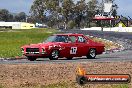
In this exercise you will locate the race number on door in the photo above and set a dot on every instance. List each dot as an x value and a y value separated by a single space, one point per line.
73 50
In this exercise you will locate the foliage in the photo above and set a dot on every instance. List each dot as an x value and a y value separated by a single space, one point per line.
55 13
91 10
7 16
63 11
37 9
21 17
80 11
71 24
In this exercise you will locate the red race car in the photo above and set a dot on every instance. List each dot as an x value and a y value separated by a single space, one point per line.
63 45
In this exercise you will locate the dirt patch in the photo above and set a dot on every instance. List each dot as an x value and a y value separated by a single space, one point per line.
51 73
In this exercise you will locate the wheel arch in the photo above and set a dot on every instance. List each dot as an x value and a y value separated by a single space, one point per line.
92 48
51 53
89 56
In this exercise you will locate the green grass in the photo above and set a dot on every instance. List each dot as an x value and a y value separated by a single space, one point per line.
121 86
67 85
75 85
1 86
12 40
59 85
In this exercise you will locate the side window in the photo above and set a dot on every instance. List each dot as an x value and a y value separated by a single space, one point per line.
62 39
72 38
81 39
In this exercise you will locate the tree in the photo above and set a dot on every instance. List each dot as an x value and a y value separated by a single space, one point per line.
91 10
80 10
10 17
114 8
38 8
114 13
67 10
109 0
4 15
21 17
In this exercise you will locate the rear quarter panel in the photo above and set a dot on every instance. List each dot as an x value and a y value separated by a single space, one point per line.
100 48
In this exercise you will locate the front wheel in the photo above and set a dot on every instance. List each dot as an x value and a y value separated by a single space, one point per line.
31 58
54 55
91 54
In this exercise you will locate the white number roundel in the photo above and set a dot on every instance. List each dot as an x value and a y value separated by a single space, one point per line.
73 50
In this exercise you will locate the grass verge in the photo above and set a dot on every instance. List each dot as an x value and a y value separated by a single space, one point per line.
75 85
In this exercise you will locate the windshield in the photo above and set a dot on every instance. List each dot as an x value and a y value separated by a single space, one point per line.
57 38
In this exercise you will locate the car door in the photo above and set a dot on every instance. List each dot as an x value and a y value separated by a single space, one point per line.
73 46
69 48
82 44
65 46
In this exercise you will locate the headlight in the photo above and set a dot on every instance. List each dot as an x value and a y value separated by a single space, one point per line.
43 51
22 50
50 47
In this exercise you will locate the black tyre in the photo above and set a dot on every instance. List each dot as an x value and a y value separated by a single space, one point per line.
81 80
91 54
54 55
32 58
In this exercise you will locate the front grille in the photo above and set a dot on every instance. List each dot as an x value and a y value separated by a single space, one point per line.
32 50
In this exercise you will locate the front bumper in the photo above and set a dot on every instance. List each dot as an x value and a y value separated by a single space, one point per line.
40 52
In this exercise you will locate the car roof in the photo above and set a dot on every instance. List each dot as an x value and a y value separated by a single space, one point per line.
72 34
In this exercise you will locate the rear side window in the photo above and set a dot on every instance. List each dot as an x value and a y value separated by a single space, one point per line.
57 38
72 38
81 39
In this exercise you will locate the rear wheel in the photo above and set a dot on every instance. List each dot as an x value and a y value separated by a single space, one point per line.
54 55
91 54
32 58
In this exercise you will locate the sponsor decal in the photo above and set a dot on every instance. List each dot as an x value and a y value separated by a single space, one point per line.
83 78
73 50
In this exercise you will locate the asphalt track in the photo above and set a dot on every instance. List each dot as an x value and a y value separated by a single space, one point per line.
113 57
123 38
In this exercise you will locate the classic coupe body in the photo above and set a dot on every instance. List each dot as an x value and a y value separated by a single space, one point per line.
63 45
